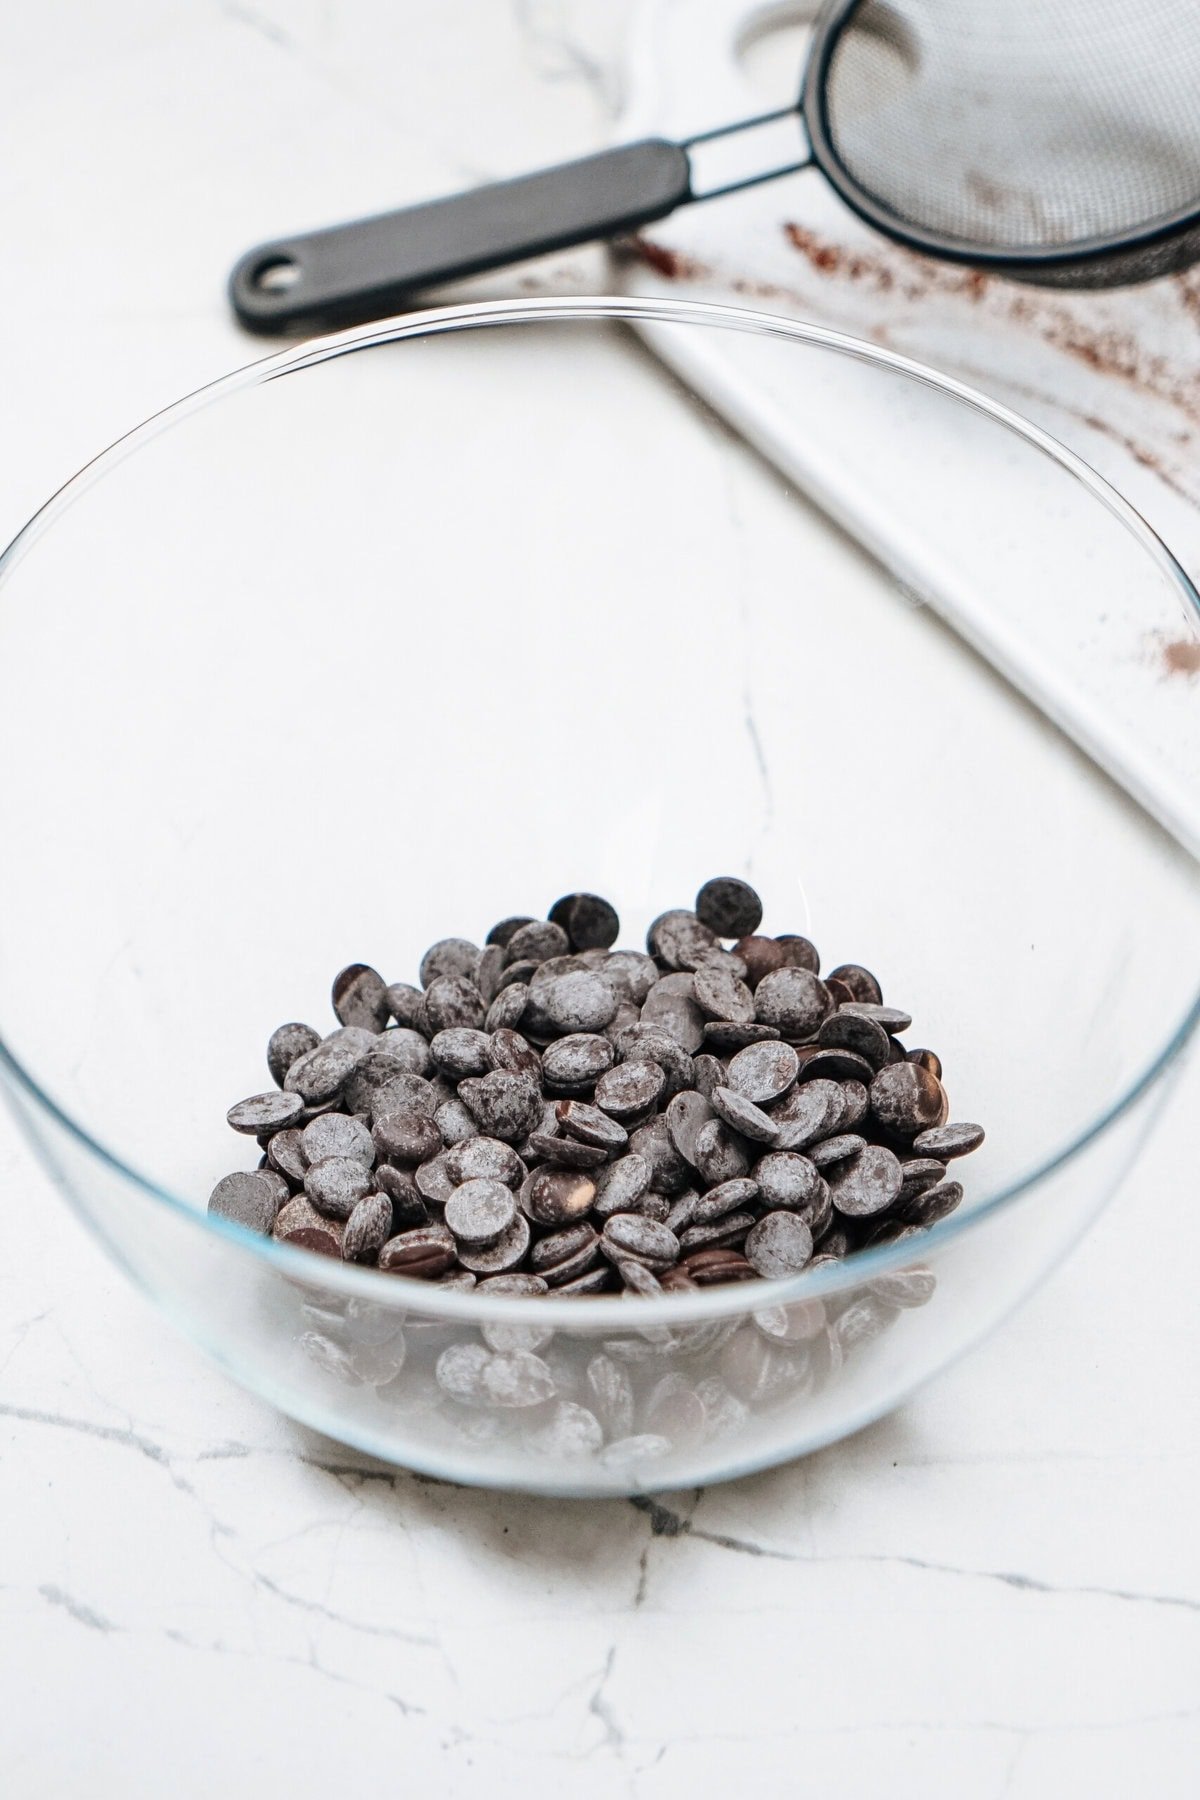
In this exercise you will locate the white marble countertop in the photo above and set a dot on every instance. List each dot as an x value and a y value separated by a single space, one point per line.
994 1592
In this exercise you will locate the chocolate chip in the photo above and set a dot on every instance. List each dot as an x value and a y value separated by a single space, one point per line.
836 1065
779 1245
610 1391
722 996
799 953
727 1197
333 1134
919 1173
580 1001
406 1136
425 1252
668 1171
764 1072
709 1074
537 941
565 1152
630 1090
511 1051
368 1228
286 1046
508 1251
455 1122
860 981
251 1200
890 1017
336 1184
574 1064
360 998
264 1113
408 1204
729 1230
729 907
518 974
720 1155
794 1000
835 1149
506 930
304 1228
761 955
479 1211
671 1006
401 1045
563 1255
786 1179
904 1288
406 1005
946 1141
797 1323
649 1043
591 1126
867 1183
596 1281
503 1337
507 1105
459 1372
449 959
678 939
907 1099
453 1001
743 1116
462 1050
285 1152
862 1321
433 1179
630 1234
620 1185
507 1009
483 1159
932 1203
686 1113
631 974
855 1101
403 1093
518 1379
556 1196
929 1059
589 921
712 1268
636 1277
730 1035
854 1031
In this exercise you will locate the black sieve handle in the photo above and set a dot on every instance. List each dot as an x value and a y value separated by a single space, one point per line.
372 267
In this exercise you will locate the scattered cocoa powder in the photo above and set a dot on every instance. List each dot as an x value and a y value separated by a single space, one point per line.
1181 656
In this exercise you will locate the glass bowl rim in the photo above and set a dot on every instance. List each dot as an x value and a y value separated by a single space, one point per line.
612 1312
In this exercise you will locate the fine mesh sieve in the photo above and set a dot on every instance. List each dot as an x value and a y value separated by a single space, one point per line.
1059 140
1056 142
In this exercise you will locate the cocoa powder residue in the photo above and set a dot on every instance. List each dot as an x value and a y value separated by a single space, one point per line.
899 271
670 263
1181 656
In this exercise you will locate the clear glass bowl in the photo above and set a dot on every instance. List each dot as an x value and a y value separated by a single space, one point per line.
394 634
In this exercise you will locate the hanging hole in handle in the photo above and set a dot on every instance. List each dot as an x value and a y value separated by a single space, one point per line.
278 275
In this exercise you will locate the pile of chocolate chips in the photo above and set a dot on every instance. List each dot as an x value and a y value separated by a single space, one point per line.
550 1115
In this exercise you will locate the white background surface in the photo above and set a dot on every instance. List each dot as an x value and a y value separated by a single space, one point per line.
993 1593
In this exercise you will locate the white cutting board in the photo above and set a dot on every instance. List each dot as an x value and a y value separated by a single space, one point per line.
1114 375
